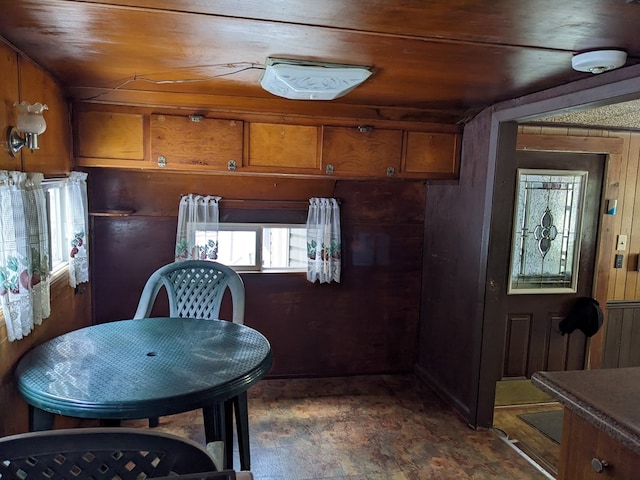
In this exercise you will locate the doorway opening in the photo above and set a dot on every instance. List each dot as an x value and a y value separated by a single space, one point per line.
551 210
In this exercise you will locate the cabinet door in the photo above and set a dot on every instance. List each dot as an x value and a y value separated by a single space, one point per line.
108 138
361 152
583 443
202 144
276 147
434 155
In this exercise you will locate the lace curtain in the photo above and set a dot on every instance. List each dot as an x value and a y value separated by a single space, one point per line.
197 233
323 240
77 227
24 247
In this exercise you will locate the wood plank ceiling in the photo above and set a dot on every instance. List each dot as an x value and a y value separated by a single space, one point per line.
432 61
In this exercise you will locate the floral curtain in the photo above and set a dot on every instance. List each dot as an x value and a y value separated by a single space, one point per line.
24 247
197 233
323 240
77 227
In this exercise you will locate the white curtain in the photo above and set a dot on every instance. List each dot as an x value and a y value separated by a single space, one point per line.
197 213
24 250
77 227
323 240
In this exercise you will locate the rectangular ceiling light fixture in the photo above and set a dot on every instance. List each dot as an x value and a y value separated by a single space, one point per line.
304 80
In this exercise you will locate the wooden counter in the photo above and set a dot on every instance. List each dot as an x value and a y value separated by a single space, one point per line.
601 426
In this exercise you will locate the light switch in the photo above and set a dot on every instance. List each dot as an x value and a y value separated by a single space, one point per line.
622 242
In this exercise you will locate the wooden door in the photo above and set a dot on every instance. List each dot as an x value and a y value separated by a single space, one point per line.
533 341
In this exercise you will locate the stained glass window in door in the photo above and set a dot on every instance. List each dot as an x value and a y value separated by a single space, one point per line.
545 248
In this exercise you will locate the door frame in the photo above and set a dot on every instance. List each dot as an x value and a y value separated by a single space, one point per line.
504 139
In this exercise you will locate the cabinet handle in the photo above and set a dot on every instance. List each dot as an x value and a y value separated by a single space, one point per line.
598 465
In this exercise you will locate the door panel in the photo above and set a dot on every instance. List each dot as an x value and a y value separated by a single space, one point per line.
533 341
517 345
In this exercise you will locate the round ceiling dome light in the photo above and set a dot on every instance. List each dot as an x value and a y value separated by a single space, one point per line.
598 61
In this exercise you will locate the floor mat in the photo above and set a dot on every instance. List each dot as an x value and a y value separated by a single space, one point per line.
519 392
548 423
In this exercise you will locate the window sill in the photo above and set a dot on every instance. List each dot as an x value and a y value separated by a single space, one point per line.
59 275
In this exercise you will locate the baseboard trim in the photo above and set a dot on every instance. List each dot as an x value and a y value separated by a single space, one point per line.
443 393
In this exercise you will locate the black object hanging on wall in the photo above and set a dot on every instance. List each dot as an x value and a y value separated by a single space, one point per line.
585 315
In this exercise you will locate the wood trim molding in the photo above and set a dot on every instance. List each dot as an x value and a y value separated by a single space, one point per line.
574 144
620 304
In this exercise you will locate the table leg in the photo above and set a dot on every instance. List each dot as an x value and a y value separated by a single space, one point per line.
228 433
214 433
242 424
39 419
213 423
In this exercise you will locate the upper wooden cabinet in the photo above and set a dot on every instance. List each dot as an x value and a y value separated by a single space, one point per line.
108 136
361 151
435 154
196 143
288 148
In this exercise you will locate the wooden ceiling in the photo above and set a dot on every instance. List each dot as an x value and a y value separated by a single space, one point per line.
432 61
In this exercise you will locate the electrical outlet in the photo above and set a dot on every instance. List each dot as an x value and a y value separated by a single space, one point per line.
617 263
622 242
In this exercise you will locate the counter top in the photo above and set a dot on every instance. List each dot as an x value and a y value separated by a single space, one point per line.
606 398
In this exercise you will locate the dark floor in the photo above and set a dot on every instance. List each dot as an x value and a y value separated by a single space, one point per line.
361 428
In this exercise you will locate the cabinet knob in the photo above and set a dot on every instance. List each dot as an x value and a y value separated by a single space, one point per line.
598 465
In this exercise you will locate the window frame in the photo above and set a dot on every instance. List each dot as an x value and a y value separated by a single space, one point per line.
258 229
61 234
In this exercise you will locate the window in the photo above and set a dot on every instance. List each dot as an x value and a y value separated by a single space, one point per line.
56 215
547 231
255 247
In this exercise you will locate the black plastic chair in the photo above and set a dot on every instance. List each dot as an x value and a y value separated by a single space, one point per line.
105 452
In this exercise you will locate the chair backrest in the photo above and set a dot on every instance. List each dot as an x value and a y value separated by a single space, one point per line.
106 452
195 289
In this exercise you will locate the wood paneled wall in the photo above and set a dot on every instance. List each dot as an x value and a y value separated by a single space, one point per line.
623 335
624 283
70 310
367 323
22 80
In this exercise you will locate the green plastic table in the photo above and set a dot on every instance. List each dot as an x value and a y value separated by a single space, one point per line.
143 368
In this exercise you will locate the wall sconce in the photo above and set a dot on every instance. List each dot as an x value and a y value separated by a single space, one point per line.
31 123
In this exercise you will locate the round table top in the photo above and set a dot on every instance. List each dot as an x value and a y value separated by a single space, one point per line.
143 368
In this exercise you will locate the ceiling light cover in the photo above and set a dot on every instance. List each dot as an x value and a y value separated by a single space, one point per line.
308 81
598 61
